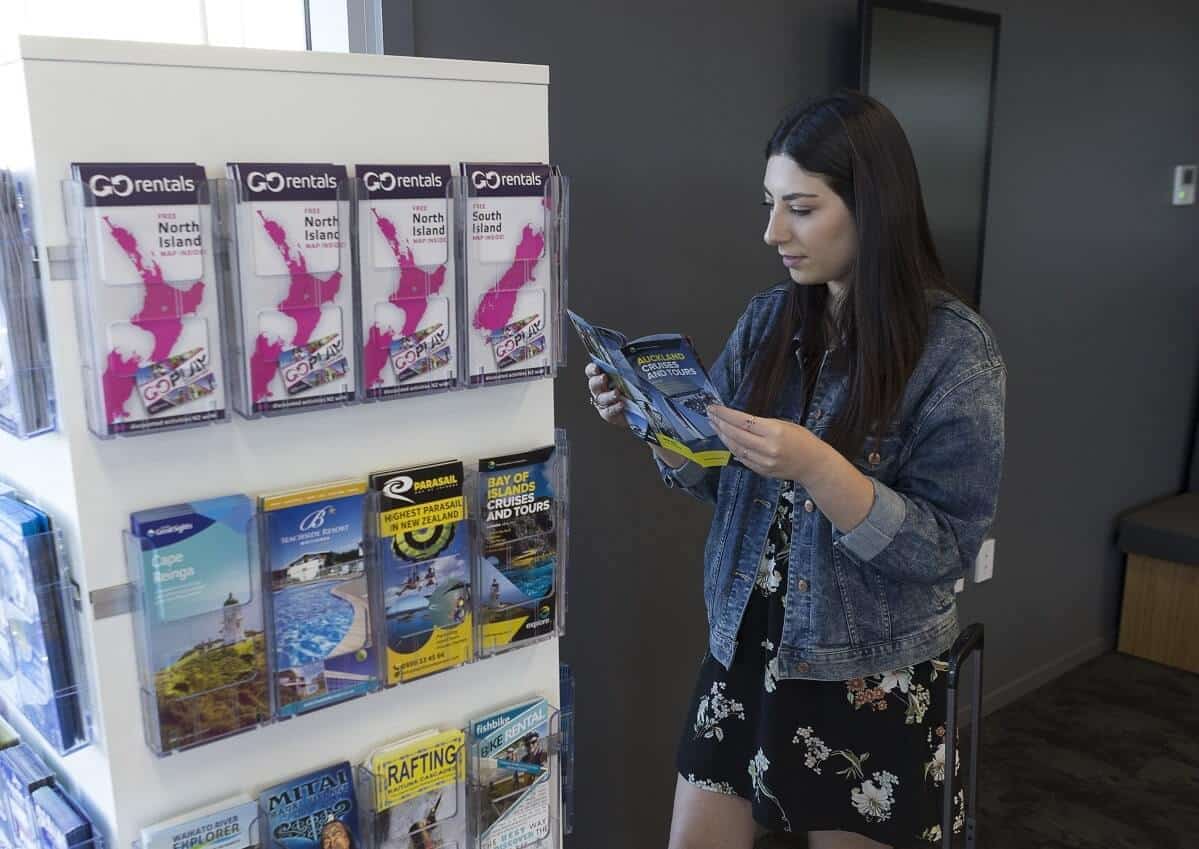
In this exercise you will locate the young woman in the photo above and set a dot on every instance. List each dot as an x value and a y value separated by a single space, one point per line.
865 419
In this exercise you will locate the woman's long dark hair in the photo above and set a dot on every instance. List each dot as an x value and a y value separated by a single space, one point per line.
857 146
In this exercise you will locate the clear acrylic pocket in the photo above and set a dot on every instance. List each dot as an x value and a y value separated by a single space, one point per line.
407 272
204 673
515 785
424 806
424 583
513 246
521 558
292 297
149 308
26 381
42 671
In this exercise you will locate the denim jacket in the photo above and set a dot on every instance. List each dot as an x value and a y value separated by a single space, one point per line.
881 596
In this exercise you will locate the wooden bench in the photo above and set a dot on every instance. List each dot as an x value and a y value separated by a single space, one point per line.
1159 617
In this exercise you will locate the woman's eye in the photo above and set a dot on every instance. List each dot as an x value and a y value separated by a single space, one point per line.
800 211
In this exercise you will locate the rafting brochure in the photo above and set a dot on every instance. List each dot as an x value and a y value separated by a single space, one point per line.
418 790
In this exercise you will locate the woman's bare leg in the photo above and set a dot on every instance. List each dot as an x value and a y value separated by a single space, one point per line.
704 819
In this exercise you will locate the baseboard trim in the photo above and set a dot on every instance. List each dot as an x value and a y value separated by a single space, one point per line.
1004 695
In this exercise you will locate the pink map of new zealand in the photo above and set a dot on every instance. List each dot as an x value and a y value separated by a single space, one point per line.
305 295
412 291
163 309
498 303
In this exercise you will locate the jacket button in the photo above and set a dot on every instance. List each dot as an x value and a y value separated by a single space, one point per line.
875 458
809 505
803 666
802 586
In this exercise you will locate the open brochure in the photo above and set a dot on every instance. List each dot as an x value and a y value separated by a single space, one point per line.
665 387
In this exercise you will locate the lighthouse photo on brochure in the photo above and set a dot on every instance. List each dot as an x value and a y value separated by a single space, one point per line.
201 619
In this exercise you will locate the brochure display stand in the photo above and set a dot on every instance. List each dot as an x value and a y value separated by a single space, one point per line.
70 104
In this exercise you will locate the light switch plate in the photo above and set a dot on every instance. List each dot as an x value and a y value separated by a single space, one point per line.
1185 178
984 565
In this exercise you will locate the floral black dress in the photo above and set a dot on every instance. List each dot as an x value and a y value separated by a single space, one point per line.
865 755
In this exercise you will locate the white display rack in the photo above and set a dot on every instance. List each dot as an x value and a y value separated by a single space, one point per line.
68 101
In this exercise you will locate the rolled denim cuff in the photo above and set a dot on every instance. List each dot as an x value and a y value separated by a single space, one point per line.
880 526
686 476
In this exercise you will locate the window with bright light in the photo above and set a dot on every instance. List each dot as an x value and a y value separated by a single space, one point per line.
272 24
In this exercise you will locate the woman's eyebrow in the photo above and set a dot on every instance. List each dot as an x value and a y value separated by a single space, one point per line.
792 195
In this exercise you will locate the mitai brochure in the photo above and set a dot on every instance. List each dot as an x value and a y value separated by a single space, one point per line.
318 810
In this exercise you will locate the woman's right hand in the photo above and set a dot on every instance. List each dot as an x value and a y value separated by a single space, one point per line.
608 402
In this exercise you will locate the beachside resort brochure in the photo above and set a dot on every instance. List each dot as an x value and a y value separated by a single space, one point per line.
424 556
418 787
318 594
199 620
666 388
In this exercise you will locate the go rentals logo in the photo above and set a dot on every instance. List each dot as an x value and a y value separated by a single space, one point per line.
494 180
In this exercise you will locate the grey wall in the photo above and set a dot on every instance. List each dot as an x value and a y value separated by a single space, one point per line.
659 111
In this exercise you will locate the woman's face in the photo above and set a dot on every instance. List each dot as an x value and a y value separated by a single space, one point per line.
809 224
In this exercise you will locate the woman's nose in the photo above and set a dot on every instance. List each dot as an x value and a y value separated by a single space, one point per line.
775 234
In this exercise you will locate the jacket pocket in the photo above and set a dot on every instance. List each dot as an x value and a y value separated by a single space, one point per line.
863 600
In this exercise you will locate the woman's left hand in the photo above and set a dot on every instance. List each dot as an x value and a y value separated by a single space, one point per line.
773 448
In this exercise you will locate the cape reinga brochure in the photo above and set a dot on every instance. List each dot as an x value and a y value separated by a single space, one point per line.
201 611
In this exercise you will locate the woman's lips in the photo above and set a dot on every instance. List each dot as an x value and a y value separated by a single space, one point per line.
792 261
